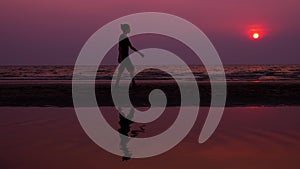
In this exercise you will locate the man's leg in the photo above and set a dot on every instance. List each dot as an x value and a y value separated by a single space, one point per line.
130 68
120 71
133 81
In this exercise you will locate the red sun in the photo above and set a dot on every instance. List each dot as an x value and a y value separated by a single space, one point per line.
255 35
256 32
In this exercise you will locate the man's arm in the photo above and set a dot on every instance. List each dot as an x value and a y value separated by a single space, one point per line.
131 47
134 49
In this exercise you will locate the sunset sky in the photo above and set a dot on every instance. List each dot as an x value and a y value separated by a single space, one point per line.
52 32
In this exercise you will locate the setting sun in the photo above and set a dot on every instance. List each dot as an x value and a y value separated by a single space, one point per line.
256 32
256 35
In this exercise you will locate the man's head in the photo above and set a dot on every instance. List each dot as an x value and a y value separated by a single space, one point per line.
125 28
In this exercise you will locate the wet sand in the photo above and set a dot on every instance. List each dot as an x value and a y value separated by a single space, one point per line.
247 138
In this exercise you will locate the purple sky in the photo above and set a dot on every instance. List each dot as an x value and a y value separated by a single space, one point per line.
48 32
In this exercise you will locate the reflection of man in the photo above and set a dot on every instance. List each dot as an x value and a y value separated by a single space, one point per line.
124 45
125 130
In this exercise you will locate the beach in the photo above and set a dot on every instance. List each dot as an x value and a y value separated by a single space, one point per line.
247 137
259 128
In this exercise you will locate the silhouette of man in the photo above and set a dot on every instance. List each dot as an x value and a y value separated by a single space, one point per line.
124 45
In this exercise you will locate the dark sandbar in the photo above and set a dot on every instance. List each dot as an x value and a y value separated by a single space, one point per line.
238 94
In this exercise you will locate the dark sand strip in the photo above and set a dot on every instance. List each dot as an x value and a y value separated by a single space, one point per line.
239 94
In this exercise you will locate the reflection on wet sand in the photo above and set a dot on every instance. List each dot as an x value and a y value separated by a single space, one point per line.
126 131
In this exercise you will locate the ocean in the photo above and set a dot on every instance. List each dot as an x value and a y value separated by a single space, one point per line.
234 73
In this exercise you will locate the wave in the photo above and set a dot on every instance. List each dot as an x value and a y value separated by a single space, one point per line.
233 73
